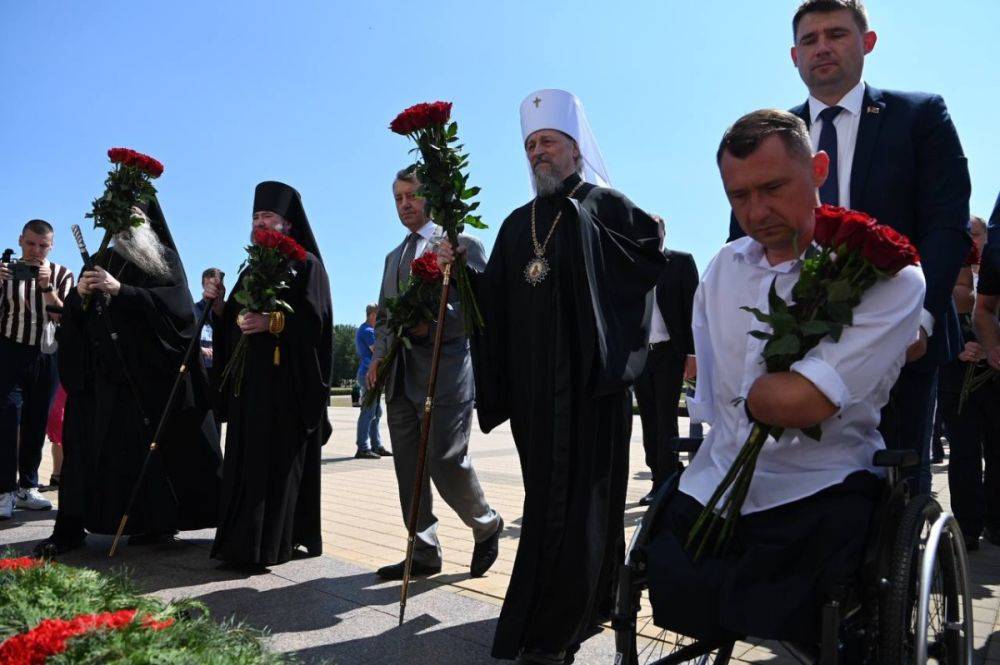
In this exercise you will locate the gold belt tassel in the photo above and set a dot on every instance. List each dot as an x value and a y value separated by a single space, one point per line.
277 355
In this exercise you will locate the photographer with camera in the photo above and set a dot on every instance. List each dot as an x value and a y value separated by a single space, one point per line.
28 286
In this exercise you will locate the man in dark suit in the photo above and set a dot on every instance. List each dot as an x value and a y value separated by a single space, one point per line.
670 359
897 157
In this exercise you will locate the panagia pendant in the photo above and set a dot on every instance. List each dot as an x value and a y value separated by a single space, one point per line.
536 271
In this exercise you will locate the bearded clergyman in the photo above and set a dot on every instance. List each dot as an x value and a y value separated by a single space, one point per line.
567 300
124 332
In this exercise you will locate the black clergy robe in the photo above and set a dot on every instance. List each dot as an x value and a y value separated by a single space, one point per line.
557 359
105 438
276 426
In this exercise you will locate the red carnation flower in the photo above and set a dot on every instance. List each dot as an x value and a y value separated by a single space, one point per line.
427 268
421 116
888 250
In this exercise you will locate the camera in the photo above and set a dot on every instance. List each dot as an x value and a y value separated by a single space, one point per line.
23 271
19 269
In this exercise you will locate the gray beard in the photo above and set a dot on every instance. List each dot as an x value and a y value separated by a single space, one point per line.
142 246
547 183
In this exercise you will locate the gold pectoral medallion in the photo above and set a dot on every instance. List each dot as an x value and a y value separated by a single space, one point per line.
536 271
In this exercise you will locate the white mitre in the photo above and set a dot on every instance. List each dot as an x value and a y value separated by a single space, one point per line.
562 111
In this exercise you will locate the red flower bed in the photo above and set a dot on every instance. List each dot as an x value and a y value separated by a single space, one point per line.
20 563
50 636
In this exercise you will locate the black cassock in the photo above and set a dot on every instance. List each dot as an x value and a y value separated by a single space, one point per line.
105 438
557 359
276 426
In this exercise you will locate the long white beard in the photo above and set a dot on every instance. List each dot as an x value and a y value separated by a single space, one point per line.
142 246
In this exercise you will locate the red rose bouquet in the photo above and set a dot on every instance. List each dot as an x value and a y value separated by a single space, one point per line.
854 254
128 184
413 306
268 268
444 186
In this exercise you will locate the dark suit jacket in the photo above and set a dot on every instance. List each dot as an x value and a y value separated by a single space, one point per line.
675 297
909 172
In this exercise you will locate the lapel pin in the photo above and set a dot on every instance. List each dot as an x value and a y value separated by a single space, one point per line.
873 109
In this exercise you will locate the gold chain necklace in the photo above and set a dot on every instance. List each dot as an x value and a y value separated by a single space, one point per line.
538 268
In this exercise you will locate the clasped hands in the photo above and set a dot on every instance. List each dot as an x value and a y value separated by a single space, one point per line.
97 279
974 352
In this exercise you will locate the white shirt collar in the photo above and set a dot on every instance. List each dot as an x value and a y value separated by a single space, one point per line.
851 102
751 252
428 230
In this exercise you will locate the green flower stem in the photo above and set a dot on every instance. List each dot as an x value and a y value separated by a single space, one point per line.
375 392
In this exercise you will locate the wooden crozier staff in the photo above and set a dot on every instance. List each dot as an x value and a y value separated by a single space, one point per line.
154 445
425 429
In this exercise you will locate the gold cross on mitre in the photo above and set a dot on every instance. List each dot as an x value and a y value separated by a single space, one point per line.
537 101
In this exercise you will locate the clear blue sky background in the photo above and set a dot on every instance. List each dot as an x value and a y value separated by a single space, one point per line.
227 94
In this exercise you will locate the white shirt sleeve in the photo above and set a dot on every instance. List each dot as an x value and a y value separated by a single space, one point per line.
701 407
885 324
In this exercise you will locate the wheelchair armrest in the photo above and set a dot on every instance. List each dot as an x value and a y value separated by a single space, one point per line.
896 458
686 444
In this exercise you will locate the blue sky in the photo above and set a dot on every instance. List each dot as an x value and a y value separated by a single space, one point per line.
227 94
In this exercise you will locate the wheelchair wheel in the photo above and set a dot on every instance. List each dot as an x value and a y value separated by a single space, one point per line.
638 641
898 609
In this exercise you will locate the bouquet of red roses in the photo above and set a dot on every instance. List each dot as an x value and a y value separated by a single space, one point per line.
854 253
268 268
128 184
413 306
443 186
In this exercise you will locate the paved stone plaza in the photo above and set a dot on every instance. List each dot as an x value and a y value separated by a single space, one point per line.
333 608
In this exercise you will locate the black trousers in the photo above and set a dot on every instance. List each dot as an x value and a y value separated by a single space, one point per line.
974 437
658 390
27 386
782 565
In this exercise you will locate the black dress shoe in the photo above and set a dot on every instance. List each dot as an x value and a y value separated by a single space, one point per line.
52 547
382 452
395 571
532 657
484 554
367 454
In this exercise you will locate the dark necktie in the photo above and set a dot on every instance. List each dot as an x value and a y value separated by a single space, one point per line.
829 192
409 251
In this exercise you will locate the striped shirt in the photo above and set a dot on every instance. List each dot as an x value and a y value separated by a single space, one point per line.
22 305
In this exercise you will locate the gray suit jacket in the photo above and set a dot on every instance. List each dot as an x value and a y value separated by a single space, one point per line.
455 383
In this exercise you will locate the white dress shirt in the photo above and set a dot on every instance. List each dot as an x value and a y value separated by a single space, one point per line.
847 123
658 327
427 234
855 374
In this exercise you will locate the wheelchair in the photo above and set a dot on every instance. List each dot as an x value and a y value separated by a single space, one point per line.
910 602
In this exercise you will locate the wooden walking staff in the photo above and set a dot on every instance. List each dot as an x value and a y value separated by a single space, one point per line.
154 445
425 430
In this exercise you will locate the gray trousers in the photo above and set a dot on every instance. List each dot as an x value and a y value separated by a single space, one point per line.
448 465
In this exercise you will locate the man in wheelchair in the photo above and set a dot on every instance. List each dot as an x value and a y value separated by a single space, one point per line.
803 526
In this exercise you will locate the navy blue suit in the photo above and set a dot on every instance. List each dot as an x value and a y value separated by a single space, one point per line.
910 173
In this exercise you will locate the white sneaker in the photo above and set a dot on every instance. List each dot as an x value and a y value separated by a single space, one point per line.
32 499
6 505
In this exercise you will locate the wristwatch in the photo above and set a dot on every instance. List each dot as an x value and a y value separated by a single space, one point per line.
47 289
